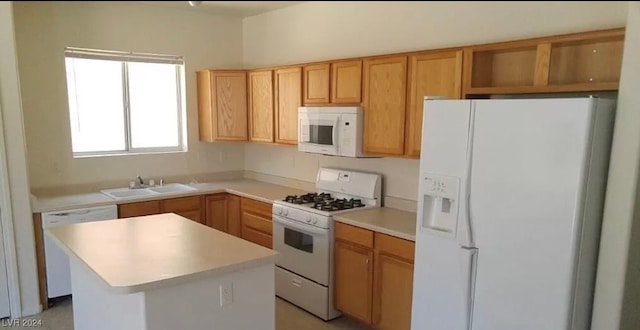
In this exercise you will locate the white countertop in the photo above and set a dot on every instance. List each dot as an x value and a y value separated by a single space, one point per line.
261 191
393 222
142 253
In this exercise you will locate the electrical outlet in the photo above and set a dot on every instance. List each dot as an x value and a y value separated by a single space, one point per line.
226 294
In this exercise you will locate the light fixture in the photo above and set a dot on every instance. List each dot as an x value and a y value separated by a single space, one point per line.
194 3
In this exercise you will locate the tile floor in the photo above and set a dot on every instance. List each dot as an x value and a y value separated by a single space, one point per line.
288 317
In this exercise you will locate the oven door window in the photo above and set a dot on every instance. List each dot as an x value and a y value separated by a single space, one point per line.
298 240
318 133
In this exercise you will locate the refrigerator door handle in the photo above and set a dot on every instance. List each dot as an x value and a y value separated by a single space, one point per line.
465 236
468 271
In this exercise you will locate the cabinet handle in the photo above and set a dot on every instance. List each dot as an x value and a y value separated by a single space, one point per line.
366 262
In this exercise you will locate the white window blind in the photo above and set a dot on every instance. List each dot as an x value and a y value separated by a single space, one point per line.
123 103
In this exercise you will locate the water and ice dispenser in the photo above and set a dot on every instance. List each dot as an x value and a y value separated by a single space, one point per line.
440 194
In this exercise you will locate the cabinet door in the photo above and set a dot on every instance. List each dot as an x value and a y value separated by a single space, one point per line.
288 97
434 74
353 279
194 215
385 86
393 290
138 209
188 207
222 105
346 82
217 212
261 106
234 224
316 84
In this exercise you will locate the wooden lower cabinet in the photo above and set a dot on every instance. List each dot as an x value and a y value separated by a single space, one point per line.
393 289
138 209
234 215
373 282
353 280
216 211
188 207
257 226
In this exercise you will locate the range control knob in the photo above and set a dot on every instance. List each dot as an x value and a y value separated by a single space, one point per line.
315 220
308 219
286 212
279 210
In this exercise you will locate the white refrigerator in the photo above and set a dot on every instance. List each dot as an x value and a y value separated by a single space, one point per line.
509 212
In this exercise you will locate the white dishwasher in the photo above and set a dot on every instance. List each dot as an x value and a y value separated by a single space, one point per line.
56 261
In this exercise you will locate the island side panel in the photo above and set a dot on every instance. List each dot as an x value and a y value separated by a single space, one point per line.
96 308
197 304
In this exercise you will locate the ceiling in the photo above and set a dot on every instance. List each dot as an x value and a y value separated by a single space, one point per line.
231 8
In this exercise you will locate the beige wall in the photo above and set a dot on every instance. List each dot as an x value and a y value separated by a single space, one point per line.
321 30
15 210
619 250
331 30
399 178
44 29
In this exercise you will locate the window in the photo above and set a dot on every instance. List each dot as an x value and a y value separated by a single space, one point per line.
124 102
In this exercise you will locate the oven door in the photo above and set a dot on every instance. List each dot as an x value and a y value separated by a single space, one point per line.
303 248
319 134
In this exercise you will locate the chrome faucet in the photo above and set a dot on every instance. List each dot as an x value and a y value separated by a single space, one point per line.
140 180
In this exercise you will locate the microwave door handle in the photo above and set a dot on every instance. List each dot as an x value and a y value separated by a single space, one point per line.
334 133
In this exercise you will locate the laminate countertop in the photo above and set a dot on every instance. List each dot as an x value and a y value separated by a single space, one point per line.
152 251
393 222
258 190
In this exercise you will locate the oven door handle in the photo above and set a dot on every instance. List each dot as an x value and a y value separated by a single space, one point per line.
306 228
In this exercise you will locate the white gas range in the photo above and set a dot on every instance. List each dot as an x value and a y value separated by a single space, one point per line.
303 234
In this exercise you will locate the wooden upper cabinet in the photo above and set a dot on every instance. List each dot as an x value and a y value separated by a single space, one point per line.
315 84
222 105
261 106
346 82
578 62
384 101
288 97
430 74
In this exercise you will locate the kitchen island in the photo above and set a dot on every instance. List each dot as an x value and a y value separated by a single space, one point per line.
165 272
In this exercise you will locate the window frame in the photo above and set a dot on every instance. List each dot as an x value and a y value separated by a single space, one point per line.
125 58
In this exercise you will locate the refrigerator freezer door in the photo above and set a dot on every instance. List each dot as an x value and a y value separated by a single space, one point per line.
443 167
527 174
443 291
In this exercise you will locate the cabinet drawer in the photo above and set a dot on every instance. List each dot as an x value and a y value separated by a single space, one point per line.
181 204
354 234
257 223
395 246
257 237
255 207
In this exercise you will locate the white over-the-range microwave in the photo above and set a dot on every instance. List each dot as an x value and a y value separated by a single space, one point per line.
335 131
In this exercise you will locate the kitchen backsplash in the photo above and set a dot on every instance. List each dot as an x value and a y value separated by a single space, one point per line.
400 176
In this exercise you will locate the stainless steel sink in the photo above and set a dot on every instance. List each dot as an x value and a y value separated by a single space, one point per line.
120 193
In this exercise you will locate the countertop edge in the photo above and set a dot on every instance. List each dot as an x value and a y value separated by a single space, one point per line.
128 289
269 259
197 192
375 228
